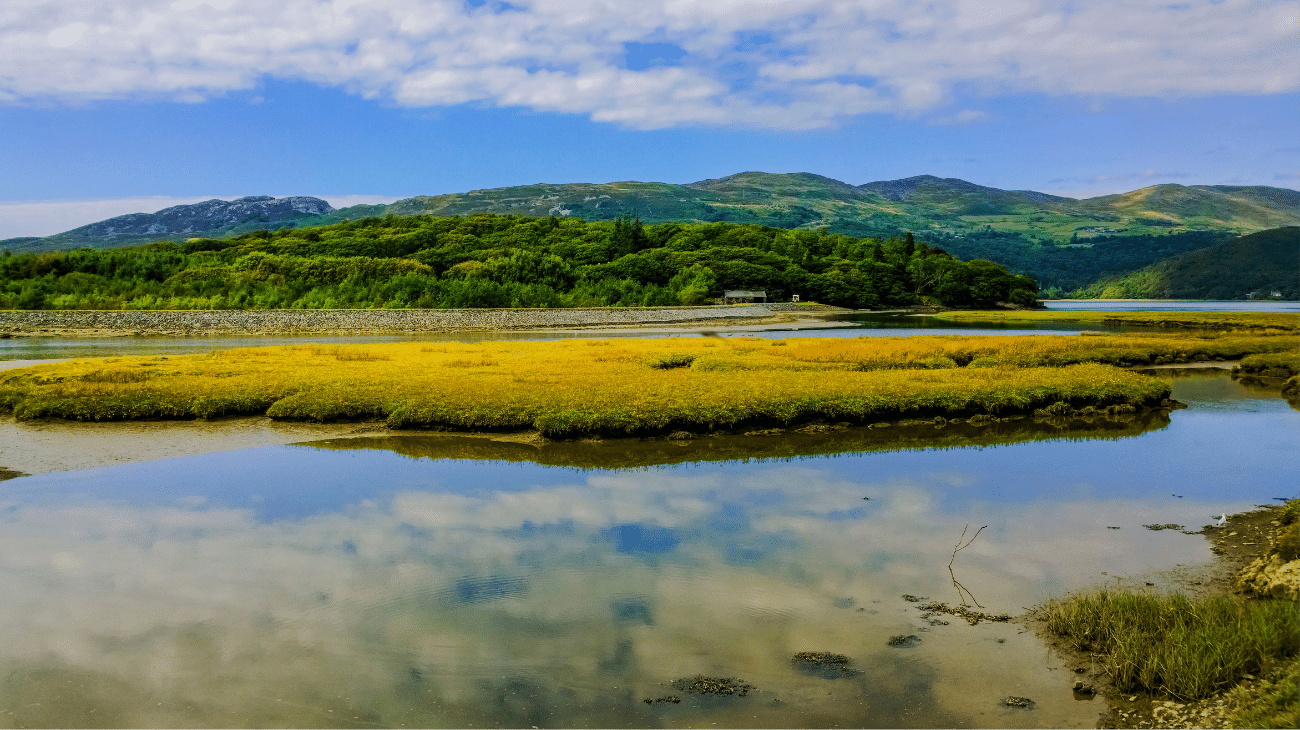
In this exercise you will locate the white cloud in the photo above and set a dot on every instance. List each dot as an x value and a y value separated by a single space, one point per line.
48 217
826 60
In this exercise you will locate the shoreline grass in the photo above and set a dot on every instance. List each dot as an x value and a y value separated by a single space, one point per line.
572 388
1186 647
1269 365
1218 321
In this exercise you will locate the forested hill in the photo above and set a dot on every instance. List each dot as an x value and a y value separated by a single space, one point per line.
1263 265
504 261
924 204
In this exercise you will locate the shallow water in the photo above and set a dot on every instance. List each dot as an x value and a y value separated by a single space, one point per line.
316 585
33 349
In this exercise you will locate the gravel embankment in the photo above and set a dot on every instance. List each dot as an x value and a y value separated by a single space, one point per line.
373 321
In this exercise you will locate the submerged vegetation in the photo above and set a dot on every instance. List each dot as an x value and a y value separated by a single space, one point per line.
1187 647
504 261
635 386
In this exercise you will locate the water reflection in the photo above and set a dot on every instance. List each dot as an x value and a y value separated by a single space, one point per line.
793 444
321 586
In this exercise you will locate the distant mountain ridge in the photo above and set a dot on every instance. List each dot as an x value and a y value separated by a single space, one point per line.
921 204
253 212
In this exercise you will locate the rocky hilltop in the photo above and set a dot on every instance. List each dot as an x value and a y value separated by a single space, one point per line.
253 212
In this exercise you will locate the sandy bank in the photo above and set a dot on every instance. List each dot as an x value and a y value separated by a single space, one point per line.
37 447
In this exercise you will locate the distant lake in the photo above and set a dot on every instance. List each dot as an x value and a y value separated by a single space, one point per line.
388 582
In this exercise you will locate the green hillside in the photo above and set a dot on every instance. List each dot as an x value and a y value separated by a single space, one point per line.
925 205
1258 266
920 204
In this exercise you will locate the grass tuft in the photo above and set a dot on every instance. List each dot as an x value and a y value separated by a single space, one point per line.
672 360
1186 647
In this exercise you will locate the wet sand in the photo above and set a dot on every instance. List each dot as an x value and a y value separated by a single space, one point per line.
37 447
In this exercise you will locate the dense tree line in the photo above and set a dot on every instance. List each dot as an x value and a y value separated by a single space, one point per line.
504 261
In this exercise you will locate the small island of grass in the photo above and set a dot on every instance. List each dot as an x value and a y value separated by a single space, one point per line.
576 388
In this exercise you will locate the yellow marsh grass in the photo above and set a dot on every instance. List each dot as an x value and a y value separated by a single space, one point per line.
574 387
1280 321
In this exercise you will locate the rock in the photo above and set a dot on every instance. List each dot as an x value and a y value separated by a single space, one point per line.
207 217
1270 577
1024 702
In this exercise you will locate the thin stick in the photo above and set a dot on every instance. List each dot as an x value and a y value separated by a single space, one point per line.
963 547
962 591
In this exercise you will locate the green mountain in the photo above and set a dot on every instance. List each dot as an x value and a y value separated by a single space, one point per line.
1264 265
927 205
1201 206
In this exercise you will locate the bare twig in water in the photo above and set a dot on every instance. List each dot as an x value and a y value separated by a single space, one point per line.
962 591
963 547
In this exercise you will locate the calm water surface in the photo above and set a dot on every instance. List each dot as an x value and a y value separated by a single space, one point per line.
315 585
34 349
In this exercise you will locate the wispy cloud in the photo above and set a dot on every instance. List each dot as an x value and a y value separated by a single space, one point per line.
818 61
1091 186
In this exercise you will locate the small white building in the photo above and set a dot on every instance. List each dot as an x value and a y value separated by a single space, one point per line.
734 296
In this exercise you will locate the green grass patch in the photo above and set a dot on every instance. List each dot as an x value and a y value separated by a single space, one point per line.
1186 647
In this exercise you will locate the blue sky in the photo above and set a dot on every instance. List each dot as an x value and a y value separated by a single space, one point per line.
106 109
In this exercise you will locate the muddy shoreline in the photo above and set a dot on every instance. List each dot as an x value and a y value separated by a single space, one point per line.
1245 537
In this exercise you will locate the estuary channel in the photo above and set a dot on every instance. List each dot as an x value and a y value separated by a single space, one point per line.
432 580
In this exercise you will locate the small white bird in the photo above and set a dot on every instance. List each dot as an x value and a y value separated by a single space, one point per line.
1222 520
